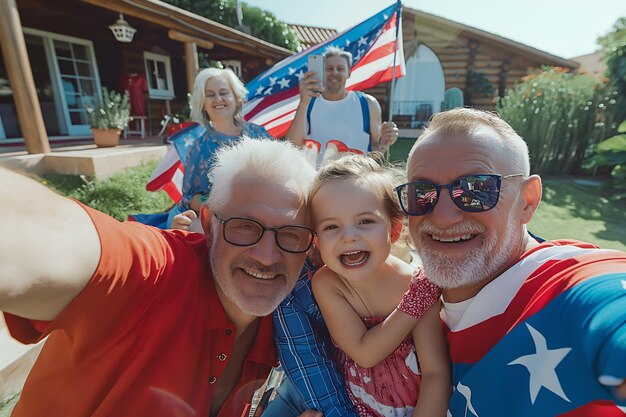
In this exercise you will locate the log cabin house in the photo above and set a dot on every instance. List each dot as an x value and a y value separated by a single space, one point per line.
57 53
441 54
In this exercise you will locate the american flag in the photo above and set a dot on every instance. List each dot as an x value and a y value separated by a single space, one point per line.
168 175
546 338
274 95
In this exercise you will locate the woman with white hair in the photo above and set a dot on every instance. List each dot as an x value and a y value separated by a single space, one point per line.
217 104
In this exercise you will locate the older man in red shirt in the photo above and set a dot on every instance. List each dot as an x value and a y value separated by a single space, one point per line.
145 322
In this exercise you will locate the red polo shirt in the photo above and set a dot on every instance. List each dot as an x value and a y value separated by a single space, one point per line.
147 336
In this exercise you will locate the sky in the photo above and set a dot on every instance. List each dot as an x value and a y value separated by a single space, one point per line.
566 28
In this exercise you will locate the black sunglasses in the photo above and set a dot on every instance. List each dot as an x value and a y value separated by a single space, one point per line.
240 231
471 193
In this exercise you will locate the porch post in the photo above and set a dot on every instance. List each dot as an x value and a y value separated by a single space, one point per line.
21 79
191 64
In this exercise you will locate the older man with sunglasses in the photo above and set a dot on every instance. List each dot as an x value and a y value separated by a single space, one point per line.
147 322
534 328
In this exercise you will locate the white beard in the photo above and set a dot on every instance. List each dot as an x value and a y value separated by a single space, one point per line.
449 272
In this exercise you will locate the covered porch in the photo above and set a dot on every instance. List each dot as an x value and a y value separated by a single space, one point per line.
55 56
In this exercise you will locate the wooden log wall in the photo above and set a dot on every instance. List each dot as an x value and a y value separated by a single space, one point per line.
461 52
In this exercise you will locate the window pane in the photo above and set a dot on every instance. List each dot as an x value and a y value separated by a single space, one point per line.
80 52
66 67
78 117
63 49
87 88
161 78
151 74
84 69
71 92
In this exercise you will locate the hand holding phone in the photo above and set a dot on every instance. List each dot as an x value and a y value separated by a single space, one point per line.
316 64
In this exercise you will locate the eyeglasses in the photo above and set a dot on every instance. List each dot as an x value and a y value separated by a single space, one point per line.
471 193
240 231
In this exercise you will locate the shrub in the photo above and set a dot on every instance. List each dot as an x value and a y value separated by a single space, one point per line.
560 115
612 152
614 48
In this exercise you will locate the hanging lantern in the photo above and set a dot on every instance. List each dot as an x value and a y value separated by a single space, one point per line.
122 31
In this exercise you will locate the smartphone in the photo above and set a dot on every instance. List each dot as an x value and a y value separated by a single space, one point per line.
316 64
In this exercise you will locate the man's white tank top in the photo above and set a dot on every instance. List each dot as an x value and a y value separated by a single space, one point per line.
338 126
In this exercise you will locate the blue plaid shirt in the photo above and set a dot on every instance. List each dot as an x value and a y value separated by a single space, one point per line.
306 351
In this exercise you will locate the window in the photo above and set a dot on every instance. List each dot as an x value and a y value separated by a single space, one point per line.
233 65
159 76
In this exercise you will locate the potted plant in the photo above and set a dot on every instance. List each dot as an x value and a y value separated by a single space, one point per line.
108 117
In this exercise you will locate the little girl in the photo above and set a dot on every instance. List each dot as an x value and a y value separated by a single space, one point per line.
378 314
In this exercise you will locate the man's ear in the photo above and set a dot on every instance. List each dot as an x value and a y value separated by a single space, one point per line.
531 196
205 220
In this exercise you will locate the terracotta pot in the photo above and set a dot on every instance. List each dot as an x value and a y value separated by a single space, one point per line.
106 138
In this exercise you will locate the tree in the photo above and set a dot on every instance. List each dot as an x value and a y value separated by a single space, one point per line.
614 47
262 24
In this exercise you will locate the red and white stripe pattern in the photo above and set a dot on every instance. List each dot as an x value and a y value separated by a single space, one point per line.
168 176
373 64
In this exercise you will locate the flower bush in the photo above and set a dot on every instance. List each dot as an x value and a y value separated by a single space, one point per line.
560 115
111 112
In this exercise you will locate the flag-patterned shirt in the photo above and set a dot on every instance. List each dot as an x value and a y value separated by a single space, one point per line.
546 338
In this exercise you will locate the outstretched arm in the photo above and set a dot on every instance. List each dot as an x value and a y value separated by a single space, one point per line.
48 251
365 347
310 87
432 351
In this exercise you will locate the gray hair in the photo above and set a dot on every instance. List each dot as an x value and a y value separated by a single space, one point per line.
335 51
198 114
466 122
272 160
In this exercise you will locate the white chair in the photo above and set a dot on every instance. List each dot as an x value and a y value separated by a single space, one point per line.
136 127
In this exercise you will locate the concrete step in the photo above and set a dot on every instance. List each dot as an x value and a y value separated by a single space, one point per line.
87 159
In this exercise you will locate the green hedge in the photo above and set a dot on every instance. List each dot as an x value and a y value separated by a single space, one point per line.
560 115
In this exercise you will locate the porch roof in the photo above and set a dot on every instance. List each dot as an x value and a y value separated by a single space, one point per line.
191 24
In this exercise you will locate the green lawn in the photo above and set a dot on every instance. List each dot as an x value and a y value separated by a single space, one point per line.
121 194
399 151
578 208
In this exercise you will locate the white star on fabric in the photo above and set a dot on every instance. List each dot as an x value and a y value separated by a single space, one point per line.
362 41
624 284
385 16
284 83
189 142
291 70
358 55
542 366
347 42
268 91
273 80
300 74
259 90
466 392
